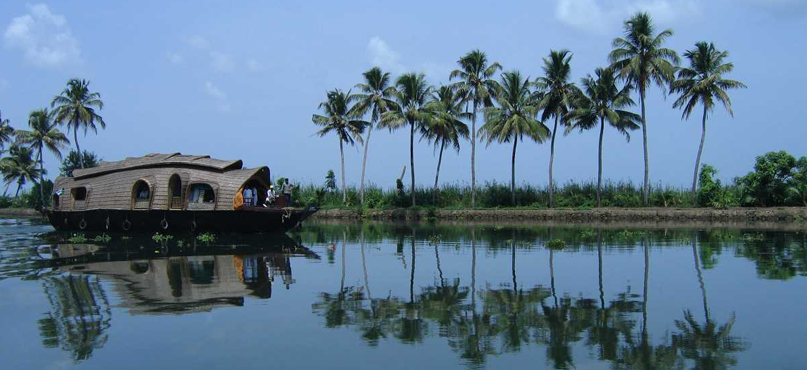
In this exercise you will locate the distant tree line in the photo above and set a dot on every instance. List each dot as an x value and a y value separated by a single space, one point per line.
514 108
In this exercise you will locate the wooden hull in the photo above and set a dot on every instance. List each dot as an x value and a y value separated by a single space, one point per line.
248 220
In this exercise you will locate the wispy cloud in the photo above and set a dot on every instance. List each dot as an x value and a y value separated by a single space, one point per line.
174 58
221 62
198 42
385 57
254 65
218 95
44 38
600 16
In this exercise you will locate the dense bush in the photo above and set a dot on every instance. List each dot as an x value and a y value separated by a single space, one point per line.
71 162
778 179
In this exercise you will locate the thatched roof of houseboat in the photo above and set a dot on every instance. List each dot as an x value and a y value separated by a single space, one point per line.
159 160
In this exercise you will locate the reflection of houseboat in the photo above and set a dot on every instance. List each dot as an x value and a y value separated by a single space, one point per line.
171 192
182 282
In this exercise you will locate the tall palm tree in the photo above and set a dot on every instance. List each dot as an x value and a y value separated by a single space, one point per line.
343 121
376 97
411 96
703 83
445 126
19 167
75 107
476 85
44 134
6 133
640 59
556 95
601 101
514 118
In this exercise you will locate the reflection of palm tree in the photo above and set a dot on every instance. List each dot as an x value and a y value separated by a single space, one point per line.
79 318
710 345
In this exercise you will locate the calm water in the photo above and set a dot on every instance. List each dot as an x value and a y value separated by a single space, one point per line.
407 297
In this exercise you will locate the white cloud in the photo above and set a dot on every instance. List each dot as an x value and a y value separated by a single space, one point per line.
383 56
218 95
601 16
198 42
389 60
221 62
254 65
44 37
174 58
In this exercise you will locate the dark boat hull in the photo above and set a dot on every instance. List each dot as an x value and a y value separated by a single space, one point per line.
250 220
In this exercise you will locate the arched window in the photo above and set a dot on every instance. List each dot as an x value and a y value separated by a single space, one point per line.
141 195
175 192
55 204
201 196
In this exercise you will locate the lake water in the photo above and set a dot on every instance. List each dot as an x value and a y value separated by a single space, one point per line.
396 296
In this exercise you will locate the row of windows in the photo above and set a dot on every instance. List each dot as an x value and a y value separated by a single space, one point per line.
198 195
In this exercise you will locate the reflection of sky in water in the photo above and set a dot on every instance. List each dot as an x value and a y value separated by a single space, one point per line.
262 307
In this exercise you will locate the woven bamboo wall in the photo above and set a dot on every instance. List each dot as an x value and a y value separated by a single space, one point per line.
114 189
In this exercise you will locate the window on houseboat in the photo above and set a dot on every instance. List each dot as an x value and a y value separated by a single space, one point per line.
79 193
202 193
142 191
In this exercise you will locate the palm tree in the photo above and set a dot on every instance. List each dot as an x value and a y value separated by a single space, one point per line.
44 134
601 101
376 97
514 118
555 96
75 107
19 167
445 125
703 83
640 59
341 119
411 96
476 85
6 133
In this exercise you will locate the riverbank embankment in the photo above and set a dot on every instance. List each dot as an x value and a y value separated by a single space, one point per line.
19 212
778 214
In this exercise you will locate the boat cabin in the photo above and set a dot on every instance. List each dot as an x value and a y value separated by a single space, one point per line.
163 182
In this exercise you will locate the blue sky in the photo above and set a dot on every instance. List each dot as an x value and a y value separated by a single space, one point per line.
241 79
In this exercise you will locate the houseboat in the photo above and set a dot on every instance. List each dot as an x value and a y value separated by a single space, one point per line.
171 193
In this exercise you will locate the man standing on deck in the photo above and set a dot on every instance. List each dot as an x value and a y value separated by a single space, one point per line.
287 192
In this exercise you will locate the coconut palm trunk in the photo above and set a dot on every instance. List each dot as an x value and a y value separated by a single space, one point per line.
513 174
78 149
437 175
698 160
473 157
412 158
646 186
19 186
599 164
342 153
412 273
551 162
364 161
41 177
599 266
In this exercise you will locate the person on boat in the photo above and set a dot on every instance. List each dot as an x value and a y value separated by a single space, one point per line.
270 196
287 192
248 196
